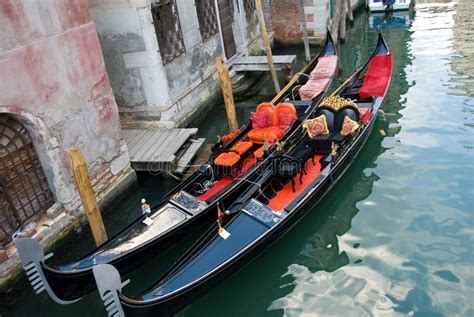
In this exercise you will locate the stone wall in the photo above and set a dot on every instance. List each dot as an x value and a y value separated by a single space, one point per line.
286 18
148 92
53 80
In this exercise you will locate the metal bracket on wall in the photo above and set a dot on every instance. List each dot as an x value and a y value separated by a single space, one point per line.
31 256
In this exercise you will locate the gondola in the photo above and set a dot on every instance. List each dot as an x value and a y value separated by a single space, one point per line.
194 201
304 170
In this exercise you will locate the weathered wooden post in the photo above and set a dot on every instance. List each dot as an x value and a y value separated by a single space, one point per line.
84 187
226 87
266 43
342 21
350 13
305 31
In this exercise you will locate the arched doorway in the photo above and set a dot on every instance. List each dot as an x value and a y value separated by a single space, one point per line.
24 191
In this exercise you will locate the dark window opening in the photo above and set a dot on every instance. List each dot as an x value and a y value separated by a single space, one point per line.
249 6
206 12
168 30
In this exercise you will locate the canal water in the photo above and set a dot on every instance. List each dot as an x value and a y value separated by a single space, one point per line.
395 236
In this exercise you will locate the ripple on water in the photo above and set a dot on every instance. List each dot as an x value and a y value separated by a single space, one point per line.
414 228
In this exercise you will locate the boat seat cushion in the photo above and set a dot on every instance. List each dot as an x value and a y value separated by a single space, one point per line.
270 134
316 126
348 111
377 77
273 131
260 119
227 159
319 78
259 153
349 126
242 147
285 120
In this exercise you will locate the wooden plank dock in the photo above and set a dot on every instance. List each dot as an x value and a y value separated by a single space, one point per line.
161 150
260 63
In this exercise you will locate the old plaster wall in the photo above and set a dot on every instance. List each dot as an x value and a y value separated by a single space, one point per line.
285 18
53 79
148 92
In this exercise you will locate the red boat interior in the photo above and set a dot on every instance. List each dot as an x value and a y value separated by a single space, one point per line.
377 76
269 123
284 196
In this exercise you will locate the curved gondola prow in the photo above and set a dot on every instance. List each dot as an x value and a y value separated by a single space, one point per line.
329 46
32 258
109 284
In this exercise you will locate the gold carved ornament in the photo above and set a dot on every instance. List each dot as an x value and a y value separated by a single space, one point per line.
336 102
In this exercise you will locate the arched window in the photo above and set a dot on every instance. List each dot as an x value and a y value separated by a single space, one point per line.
24 191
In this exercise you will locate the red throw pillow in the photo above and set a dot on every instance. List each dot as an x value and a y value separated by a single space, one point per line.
316 126
285 119
348 126
260 119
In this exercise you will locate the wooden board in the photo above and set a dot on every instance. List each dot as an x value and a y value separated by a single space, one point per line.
155 146
189 155
260 63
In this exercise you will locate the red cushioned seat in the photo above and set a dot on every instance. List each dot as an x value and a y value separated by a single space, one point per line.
228 159
242 147
259 153
377 77
270 134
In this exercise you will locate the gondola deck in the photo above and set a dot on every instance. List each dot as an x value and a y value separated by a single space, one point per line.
255 220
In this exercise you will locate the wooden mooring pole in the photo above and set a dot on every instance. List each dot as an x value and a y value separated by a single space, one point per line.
226 87
266 43
305 31
84 187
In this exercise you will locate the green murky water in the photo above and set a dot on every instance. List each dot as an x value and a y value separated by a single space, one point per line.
395 236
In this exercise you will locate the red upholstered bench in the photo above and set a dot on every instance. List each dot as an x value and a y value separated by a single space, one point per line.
269 122
228 159
242 147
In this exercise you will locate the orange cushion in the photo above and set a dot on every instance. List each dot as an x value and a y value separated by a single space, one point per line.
261 119
270 134
227 159
285 120
259 153
270 109
285 107
242 147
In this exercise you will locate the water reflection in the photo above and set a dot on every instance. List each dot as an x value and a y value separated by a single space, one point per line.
410 249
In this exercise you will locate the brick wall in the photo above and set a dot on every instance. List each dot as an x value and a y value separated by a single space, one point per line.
286 20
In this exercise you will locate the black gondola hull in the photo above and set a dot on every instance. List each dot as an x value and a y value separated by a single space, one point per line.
186 296
71 284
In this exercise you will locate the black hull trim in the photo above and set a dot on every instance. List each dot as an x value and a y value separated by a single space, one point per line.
173 304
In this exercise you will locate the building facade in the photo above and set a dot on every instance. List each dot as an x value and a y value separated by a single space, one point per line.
319 15
160 54
54 94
